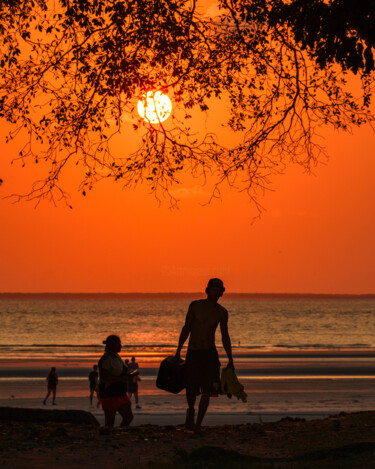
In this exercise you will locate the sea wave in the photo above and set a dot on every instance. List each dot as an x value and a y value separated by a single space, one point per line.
86 353
162 346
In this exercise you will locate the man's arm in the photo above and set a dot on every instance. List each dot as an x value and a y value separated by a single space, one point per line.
226 339
185 331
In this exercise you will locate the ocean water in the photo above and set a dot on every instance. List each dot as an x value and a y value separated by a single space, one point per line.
55 326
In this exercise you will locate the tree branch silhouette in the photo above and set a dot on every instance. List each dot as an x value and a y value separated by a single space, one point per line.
72 71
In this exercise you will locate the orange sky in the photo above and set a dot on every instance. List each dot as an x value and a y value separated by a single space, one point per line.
316 236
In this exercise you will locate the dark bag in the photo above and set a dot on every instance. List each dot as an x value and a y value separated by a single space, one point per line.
171 375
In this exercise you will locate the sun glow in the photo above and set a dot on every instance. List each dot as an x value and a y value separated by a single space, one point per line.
155 107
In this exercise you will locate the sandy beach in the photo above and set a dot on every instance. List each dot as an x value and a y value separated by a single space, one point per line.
342 441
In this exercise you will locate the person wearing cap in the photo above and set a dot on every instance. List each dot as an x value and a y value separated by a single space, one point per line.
202 360
112 383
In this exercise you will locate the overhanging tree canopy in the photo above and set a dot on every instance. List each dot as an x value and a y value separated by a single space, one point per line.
71 69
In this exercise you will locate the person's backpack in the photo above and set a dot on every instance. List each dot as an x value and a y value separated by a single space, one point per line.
171 375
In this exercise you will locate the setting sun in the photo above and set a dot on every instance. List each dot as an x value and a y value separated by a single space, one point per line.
155 107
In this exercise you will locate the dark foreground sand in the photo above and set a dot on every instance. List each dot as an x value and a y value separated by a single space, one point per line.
343 441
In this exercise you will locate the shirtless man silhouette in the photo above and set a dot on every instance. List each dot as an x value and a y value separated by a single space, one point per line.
202 361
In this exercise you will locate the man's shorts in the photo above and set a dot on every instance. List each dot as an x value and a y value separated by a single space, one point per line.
202 372
132 387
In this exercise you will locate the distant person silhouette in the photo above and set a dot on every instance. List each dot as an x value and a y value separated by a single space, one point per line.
93 382
202 360
112 383
133 381
52 382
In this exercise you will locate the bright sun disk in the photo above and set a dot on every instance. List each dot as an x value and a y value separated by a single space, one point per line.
155 107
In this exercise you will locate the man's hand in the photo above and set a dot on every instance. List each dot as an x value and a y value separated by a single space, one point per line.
230 365
177 357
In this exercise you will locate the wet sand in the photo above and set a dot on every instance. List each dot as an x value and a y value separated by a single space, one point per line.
300 396
162 410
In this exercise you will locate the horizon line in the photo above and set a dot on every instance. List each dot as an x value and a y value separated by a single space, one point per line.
180 293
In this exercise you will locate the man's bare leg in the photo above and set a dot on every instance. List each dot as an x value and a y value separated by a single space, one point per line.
47 396
203 406
137 400
189 423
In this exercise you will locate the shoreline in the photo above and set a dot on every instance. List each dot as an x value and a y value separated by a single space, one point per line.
250 364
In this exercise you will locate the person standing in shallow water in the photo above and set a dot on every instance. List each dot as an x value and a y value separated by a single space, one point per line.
52 382
112 384
202 360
